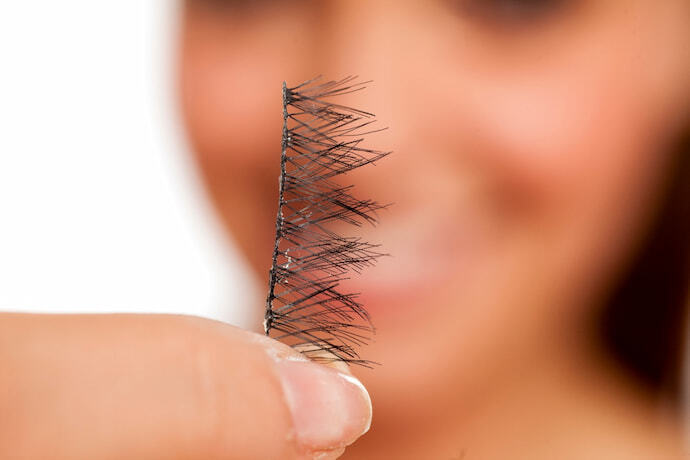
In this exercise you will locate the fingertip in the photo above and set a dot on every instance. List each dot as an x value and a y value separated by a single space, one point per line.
329 409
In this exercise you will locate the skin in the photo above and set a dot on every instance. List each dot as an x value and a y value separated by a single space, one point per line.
163 387
134 386
529 159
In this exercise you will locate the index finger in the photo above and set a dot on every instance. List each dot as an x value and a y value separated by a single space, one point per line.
164 386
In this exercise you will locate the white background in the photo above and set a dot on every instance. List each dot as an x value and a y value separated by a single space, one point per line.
100 205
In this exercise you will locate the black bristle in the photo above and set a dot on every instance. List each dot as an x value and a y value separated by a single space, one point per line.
321 140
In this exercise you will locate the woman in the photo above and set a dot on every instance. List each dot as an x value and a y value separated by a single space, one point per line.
537 177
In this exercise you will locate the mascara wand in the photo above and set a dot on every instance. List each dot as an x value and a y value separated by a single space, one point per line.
320 141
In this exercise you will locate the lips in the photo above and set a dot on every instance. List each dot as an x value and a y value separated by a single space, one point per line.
427 251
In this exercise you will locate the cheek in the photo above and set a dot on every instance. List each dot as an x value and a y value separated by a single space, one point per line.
227 107
232 64
234 127
231 67
560 139
580 162
574 146
580 171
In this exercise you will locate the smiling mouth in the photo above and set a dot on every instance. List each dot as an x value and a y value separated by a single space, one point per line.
426 254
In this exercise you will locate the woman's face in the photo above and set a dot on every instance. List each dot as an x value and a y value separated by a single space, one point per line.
529 141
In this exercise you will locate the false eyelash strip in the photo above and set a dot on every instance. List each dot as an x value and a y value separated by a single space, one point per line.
321 140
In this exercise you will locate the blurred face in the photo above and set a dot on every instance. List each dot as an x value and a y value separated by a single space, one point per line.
529 143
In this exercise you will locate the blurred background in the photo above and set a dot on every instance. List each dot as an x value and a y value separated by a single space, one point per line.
100 207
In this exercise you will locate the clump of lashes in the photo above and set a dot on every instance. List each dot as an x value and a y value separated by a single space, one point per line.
321 140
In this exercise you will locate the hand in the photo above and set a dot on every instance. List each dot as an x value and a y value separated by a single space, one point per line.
166 386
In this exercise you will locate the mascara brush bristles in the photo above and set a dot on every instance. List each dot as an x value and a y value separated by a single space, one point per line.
321 140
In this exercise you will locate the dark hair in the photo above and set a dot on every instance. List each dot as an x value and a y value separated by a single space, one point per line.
644 321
